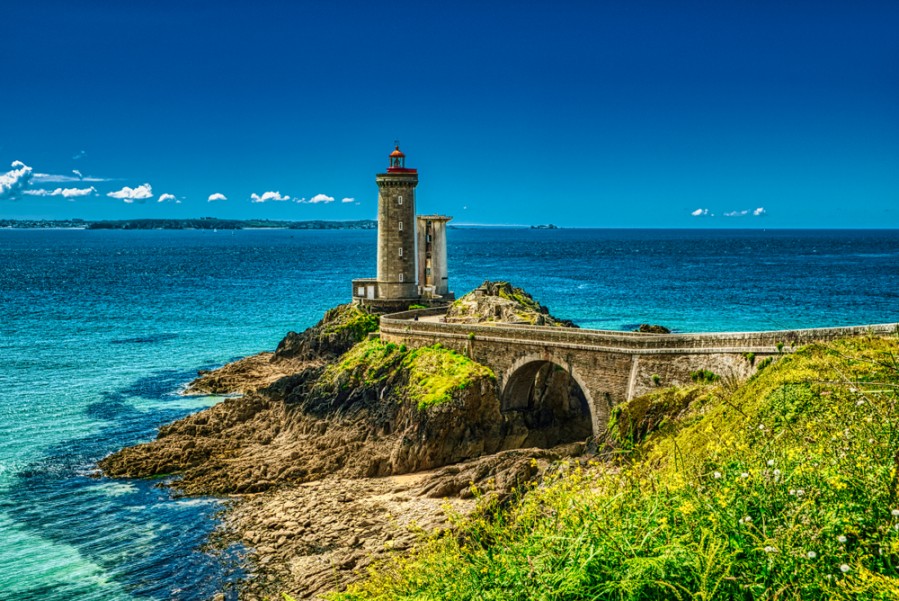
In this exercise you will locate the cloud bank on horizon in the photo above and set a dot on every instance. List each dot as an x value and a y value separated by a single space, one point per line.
67 193
19 181
703 212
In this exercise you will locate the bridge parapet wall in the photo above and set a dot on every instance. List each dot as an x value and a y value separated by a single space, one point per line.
611 367
401 324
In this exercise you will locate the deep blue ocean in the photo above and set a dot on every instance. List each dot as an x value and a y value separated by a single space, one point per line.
100 329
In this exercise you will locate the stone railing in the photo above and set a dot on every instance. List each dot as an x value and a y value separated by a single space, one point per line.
403 325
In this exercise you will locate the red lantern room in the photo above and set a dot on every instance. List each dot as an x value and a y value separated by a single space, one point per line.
398 162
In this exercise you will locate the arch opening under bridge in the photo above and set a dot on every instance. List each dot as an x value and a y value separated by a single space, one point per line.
550 400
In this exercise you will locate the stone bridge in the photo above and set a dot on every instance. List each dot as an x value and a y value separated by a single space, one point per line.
607 367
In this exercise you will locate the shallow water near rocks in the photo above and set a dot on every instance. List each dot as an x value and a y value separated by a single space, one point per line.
100 329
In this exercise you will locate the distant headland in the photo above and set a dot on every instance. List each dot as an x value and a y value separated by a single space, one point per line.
203 223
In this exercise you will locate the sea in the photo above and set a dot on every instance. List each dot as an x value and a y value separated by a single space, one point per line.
100 330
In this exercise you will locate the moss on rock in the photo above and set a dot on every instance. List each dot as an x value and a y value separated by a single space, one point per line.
337 332
435 372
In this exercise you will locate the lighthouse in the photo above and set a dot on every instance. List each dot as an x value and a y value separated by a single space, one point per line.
396 229
408 273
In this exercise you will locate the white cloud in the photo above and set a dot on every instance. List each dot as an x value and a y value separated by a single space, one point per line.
700 212
69 193
130 195
54 178
736 214
169 198
321 198
217 196
13 182
78 155
267 196
759 211
348 200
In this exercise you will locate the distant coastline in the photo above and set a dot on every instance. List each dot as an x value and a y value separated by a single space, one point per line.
204 223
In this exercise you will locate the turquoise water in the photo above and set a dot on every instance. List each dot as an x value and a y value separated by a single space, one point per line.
100 329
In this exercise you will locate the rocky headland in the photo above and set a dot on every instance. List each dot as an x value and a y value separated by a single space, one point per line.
341 449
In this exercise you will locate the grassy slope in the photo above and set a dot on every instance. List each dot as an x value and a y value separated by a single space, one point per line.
785 488
434 372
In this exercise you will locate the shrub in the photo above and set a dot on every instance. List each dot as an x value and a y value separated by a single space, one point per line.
704 376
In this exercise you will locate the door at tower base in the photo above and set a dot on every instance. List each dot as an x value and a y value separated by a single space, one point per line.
433 278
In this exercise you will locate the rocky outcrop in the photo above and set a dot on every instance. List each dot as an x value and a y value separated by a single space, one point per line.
646 328
362 417
501 302
327 430
324 534
337 332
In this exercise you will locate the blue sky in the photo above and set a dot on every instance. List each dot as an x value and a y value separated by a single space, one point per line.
601 114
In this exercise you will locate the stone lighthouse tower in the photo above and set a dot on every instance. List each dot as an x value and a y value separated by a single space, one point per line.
396 229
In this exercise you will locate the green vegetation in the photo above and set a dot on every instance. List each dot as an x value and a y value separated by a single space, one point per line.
785 488
764 363
750 357
704 375
435 372
656 379
432 373
656 413
351 319
413 307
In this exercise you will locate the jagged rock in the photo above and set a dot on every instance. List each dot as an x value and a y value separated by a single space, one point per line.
501 302
646 328
351 424
341 328
337 332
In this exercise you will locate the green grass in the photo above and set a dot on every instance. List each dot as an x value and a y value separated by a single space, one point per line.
436 372
784 488
426 376
351 319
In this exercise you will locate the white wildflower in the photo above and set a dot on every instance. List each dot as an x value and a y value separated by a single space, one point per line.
776 473
841 538
860 402
744 475
844 568
746 519
717 475
770 462
812 554
770 549
895 513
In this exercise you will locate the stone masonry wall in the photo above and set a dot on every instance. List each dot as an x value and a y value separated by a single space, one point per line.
610 367
392 216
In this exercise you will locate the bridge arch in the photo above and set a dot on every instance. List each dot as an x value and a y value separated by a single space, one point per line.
551 397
